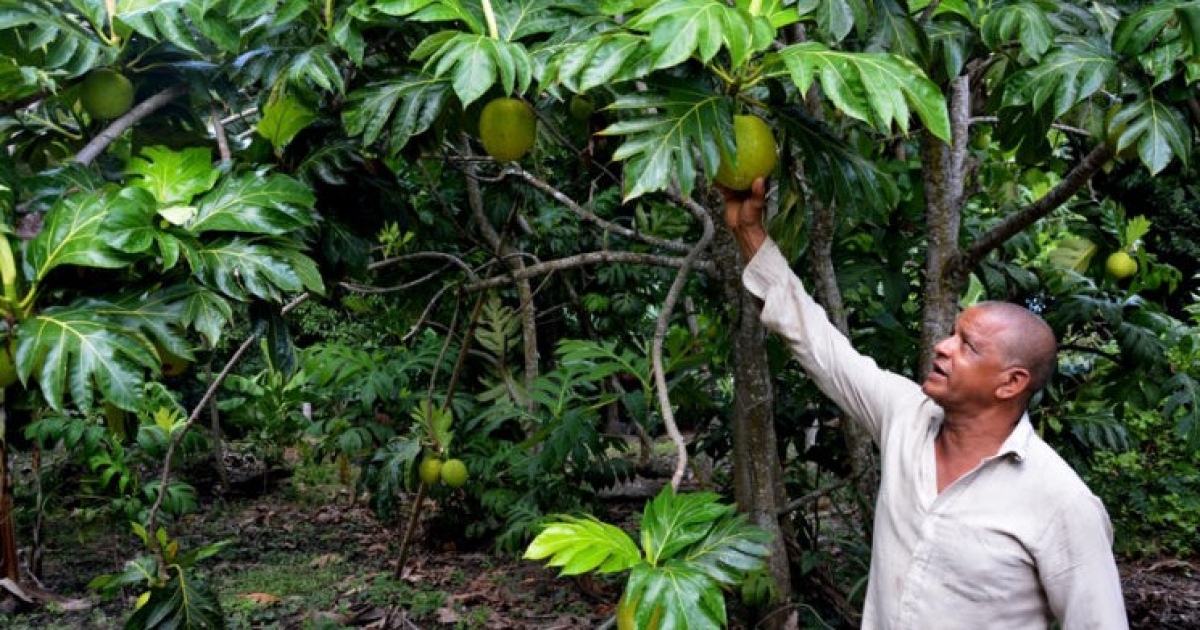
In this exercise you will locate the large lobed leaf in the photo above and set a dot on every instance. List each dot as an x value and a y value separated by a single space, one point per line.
255 203
72 232
604 359
578 545
682 29
57 45
412 103
160 20
243 268
678 594
673 522
674 123
186 602
1159 24
72 349
1023 22
475 62
1069 75
593 58
173 177
1158 131
838 174
876 88
208 313
157 316
730 550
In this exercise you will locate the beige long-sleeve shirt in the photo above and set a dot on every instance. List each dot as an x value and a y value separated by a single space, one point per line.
1012 545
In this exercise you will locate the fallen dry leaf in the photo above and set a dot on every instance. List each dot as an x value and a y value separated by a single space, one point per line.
325 560
262 599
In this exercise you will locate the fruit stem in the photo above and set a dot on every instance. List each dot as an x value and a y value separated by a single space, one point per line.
490 16
329 15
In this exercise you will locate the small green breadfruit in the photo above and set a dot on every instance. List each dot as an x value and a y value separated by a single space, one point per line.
507 128
454 473
581 107
430 471
1120 265
106 94
755 154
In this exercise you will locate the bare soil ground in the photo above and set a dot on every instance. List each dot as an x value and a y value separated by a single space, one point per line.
333 565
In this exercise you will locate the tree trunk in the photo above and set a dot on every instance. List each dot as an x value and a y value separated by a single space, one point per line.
949 264
757 471
945 183
9 567
864 462
513 259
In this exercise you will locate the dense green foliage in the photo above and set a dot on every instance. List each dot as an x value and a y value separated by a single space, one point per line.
299 207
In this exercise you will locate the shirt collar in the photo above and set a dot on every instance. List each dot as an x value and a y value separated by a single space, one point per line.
1017 443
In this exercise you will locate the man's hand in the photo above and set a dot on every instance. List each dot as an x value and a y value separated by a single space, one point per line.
744 216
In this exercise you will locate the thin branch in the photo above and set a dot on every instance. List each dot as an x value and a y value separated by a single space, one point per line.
165 477
1074 347
660 333
1027 216
582 260
927 14
375 266
362 288
420 323
219 132
813 496
589 216
975 120
120 125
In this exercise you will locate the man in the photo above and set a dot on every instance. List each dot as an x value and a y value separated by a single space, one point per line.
979 523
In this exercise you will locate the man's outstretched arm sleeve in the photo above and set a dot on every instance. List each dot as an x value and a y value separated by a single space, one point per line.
855 382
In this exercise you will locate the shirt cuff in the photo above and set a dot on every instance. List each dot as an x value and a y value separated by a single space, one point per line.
768 268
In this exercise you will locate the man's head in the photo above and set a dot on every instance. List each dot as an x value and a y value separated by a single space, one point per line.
999 353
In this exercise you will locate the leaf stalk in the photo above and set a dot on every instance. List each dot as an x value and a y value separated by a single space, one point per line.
490 15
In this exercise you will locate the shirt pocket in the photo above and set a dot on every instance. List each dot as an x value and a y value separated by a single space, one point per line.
984 565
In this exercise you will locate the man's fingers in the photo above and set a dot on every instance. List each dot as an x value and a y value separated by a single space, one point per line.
758 188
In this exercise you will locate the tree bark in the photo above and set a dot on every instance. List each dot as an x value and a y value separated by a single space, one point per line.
949 264
131 117
945 183
864 462
757 470
8 531
513 259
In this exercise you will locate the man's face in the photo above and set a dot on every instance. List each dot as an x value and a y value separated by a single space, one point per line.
968 365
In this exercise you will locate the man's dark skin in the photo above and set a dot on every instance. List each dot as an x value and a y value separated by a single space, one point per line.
984 374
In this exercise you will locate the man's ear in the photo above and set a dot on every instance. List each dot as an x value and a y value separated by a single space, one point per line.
1014 382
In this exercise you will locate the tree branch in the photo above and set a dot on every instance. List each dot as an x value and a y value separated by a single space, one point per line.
589 216
813 496
1059 126
1025 217
582 260
660 333
120 125
219 132
165 476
